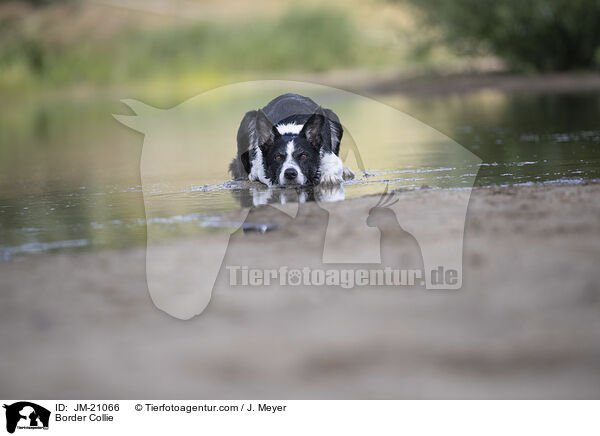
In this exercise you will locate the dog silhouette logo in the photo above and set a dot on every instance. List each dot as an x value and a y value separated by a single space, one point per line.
26 415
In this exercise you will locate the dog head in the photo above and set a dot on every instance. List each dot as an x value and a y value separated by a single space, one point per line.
291 150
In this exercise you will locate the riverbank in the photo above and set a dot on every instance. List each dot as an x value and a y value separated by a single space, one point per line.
524 325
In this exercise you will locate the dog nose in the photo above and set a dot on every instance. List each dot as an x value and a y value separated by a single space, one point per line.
290 174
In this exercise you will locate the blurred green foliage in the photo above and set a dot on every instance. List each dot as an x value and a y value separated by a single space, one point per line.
302 39
36 3
299 40
530 35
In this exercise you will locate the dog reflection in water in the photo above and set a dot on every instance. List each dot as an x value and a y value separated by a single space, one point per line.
264 215
260 195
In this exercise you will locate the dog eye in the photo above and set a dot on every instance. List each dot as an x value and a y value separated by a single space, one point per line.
303 156
279 157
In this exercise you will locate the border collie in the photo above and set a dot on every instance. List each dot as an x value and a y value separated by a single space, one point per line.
291 141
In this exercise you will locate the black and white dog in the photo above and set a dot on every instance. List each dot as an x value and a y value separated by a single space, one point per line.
291 141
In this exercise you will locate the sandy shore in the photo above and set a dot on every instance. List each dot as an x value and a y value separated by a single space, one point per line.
525 324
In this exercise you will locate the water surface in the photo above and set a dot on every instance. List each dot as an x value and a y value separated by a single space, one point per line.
70 174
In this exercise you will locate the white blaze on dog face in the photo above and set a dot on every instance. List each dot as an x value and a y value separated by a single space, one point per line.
290 172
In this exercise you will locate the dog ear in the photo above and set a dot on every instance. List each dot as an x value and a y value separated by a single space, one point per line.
313 129
264 129
336 131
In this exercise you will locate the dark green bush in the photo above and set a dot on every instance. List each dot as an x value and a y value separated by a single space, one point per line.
539 35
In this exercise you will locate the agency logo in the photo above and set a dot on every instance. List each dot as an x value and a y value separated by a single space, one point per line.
25 415
179 160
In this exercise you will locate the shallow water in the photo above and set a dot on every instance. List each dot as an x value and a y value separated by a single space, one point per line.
70 174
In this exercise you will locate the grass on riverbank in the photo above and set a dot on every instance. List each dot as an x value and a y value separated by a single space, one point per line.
306 40
91 45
